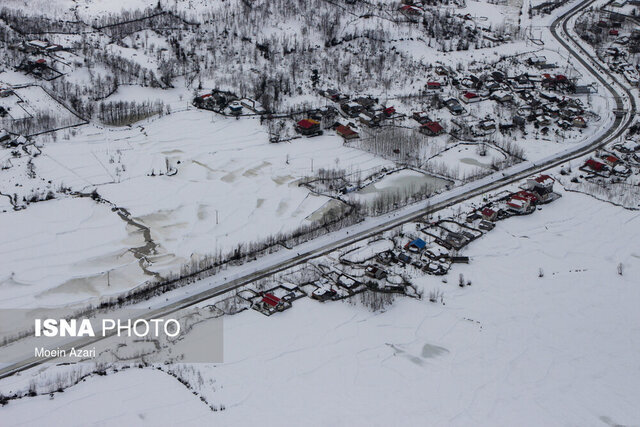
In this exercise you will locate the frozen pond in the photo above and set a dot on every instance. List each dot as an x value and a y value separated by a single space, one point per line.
407 181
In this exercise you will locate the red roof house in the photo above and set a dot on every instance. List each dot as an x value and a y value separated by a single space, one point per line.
518 204
431 128
541 183
489 214
532 198
346 132
470 97
271 300
611 160
389 111
594 165
411 10
308 126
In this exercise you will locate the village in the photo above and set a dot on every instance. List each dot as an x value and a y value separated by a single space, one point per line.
386 264
539 101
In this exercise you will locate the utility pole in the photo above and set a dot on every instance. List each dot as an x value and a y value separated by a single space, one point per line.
216 216
108 278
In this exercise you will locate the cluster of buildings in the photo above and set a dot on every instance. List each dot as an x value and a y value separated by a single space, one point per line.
542 99
538 190
228 103
606 164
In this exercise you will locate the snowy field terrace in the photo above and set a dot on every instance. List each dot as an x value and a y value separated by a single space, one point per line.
200 182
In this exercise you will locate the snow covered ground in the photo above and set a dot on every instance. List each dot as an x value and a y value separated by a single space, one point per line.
202 184
60 251
512 349
135 397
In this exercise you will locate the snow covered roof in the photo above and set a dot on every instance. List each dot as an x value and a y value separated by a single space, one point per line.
501 94
517 203
38 43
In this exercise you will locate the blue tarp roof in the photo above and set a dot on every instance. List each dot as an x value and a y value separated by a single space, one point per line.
419 243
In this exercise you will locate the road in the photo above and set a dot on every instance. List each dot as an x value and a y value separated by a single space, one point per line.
560 32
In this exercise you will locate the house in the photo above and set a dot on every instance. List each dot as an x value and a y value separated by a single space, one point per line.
421 117
549 96
505 126
416 245
537 60
347 282
454 106
501 96
366 101
352 109
323 294
404 258
518 204
486 225
543 120
368 119
346 132
54 47
236 108
519 121
271 303
5 92
611 161
375 272
582 89
522 83
470 97
542 186
410 10
579 122
386 257
431 129
487 125
473 216
456 240
308 126
434 86
389 111
613 32
38 44
552 109
594 165
489 214
532 198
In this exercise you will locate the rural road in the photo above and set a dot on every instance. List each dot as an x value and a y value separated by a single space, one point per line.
623 99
